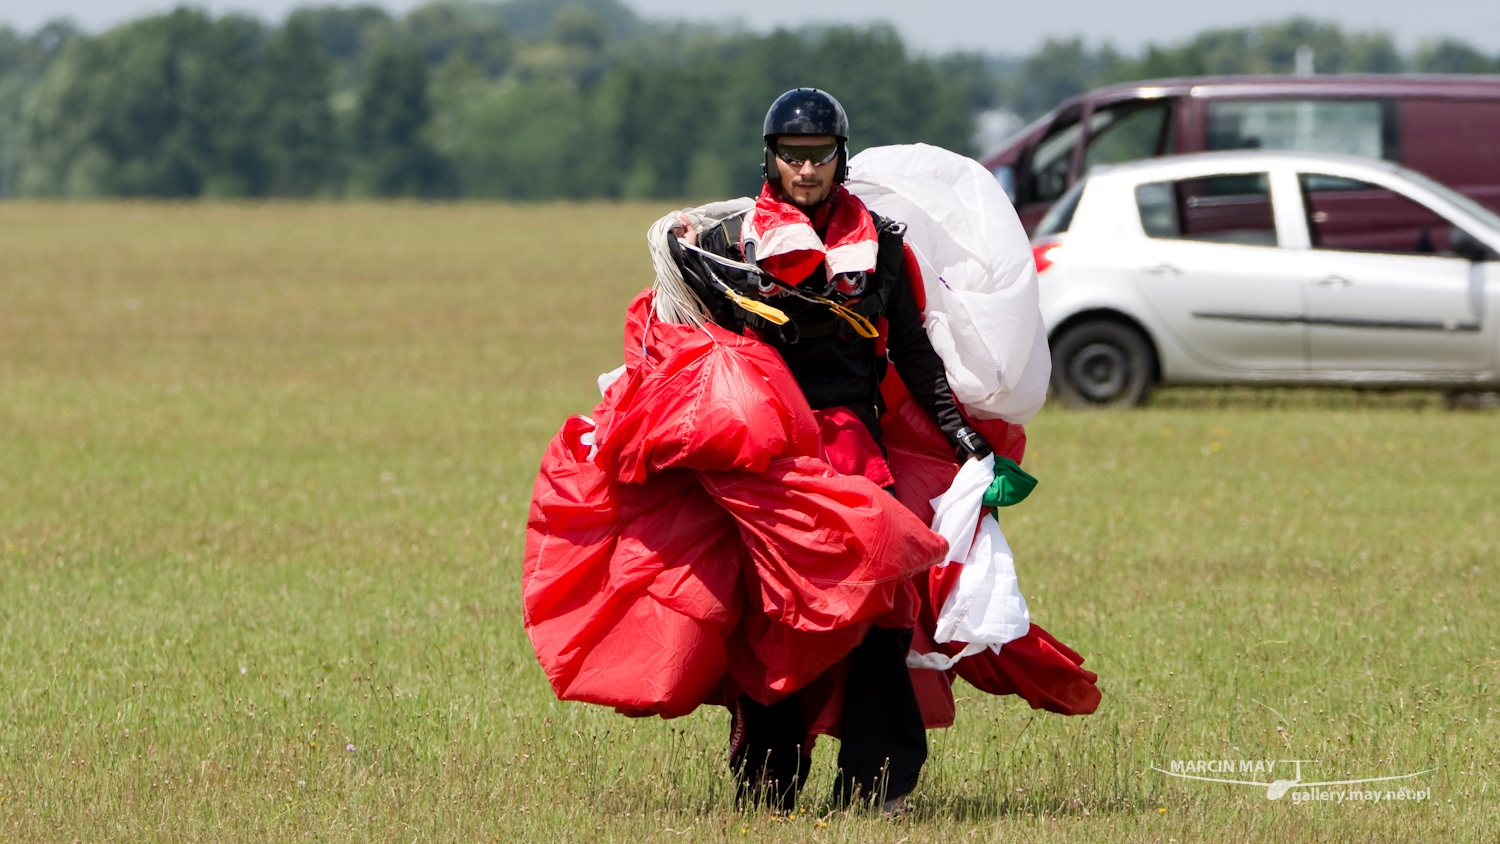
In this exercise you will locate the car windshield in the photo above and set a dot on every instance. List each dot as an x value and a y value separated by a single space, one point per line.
1485 215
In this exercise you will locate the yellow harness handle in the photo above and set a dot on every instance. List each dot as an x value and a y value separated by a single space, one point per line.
760 309
776 316
861 326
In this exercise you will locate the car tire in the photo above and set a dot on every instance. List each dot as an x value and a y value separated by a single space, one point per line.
1102 364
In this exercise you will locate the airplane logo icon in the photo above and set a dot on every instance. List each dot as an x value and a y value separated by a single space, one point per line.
1277 789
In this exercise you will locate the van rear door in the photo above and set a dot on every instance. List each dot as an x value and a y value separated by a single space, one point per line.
1456 142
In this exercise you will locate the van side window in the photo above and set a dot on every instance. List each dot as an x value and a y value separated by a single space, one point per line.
1354 216
1352 127
1127 132
1048 170
1215 209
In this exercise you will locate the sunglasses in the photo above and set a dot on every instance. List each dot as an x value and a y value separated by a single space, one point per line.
798 154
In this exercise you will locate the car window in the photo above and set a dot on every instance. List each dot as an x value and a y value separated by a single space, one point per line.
1127 132
1218 209
1486 216
1158 207
1351 127
1351 215
1060 215
1048 170
1006 176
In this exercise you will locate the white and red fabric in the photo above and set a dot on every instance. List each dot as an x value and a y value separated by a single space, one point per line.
699 543
984 608
1044 672
694 544
712 536
786 241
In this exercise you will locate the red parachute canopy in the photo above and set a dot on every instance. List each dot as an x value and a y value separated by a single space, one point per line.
696 543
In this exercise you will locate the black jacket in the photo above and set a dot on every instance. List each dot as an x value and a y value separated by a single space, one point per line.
833 364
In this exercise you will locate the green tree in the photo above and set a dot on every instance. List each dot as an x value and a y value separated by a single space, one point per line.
534 98
1373 53
394 154
974 75
573 54
691 126
449 29
23 61
161 107
300 140
1274 48
534 19
221 110
524 142
1451 56
891 97
1061 69
575 26
347 36
1271 48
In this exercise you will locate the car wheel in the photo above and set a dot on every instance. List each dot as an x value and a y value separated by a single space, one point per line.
1102 364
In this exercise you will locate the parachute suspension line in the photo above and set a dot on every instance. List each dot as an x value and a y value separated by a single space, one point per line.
675 301
720 259
924 263
863 327
761 309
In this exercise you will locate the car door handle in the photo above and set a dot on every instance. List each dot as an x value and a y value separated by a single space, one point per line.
1332 281
1164 270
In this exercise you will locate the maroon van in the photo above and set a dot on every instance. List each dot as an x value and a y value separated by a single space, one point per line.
1447 127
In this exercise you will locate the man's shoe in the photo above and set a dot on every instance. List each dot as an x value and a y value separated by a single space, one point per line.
896 808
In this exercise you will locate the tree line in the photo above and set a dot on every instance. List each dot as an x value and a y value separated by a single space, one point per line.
532 99
1062 68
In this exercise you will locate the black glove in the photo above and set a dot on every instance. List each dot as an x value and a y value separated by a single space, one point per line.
971 444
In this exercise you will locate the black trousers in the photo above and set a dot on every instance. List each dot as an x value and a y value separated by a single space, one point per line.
884 740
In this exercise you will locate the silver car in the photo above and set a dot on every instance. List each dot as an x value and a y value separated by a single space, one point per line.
1267 268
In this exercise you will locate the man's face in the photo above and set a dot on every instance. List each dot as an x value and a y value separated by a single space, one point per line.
806 183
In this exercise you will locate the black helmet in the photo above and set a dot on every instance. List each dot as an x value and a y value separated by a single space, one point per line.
806 111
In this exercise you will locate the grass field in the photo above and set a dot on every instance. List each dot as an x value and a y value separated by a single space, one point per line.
264 473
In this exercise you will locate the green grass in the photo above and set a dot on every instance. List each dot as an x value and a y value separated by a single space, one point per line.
264 473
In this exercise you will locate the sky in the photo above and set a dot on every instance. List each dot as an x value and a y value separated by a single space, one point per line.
993 26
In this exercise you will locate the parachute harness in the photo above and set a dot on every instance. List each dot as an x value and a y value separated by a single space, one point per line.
765 311
863 327
676 301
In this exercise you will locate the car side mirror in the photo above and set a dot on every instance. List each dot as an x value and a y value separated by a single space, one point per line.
1470 248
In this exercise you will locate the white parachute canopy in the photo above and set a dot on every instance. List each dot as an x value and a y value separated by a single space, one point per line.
982 314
